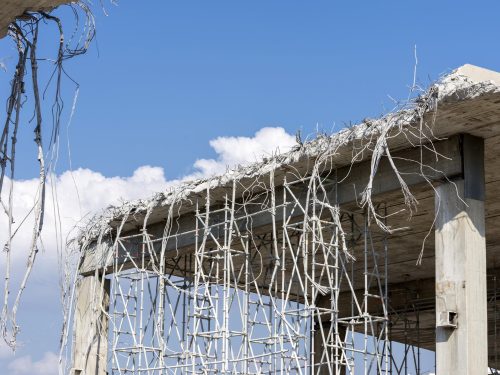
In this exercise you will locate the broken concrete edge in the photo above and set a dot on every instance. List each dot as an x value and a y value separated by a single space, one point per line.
12 10
465 83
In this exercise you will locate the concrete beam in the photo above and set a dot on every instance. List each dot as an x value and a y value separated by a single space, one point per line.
445 164
461 305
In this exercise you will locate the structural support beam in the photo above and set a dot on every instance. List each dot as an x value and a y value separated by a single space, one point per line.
91 327
461 306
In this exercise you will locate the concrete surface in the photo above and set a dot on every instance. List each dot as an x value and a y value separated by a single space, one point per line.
11 9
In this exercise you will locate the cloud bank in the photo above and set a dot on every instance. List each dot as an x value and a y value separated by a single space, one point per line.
75 196
24 365
233 151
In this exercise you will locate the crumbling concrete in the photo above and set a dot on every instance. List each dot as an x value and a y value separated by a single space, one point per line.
460 86
11 9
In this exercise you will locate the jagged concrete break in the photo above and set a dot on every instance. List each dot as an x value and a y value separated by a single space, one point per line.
11 9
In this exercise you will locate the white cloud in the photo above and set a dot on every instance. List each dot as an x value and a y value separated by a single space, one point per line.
234 151
79 193
5 350
83 192
47 365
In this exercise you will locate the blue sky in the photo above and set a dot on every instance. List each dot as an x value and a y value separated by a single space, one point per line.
164 78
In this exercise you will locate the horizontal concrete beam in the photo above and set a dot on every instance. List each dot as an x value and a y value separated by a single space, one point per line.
416 166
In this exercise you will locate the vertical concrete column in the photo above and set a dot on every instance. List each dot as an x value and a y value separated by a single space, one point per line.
461 313
90 344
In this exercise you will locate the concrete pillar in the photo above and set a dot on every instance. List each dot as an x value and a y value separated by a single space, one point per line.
90 344
461 311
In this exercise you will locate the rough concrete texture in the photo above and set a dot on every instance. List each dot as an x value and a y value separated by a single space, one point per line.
11 9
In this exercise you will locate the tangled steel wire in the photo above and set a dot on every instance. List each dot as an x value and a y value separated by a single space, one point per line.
25 96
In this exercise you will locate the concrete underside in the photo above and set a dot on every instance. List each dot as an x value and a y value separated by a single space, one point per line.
11 9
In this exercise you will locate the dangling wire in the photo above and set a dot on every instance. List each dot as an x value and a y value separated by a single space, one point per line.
25 89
